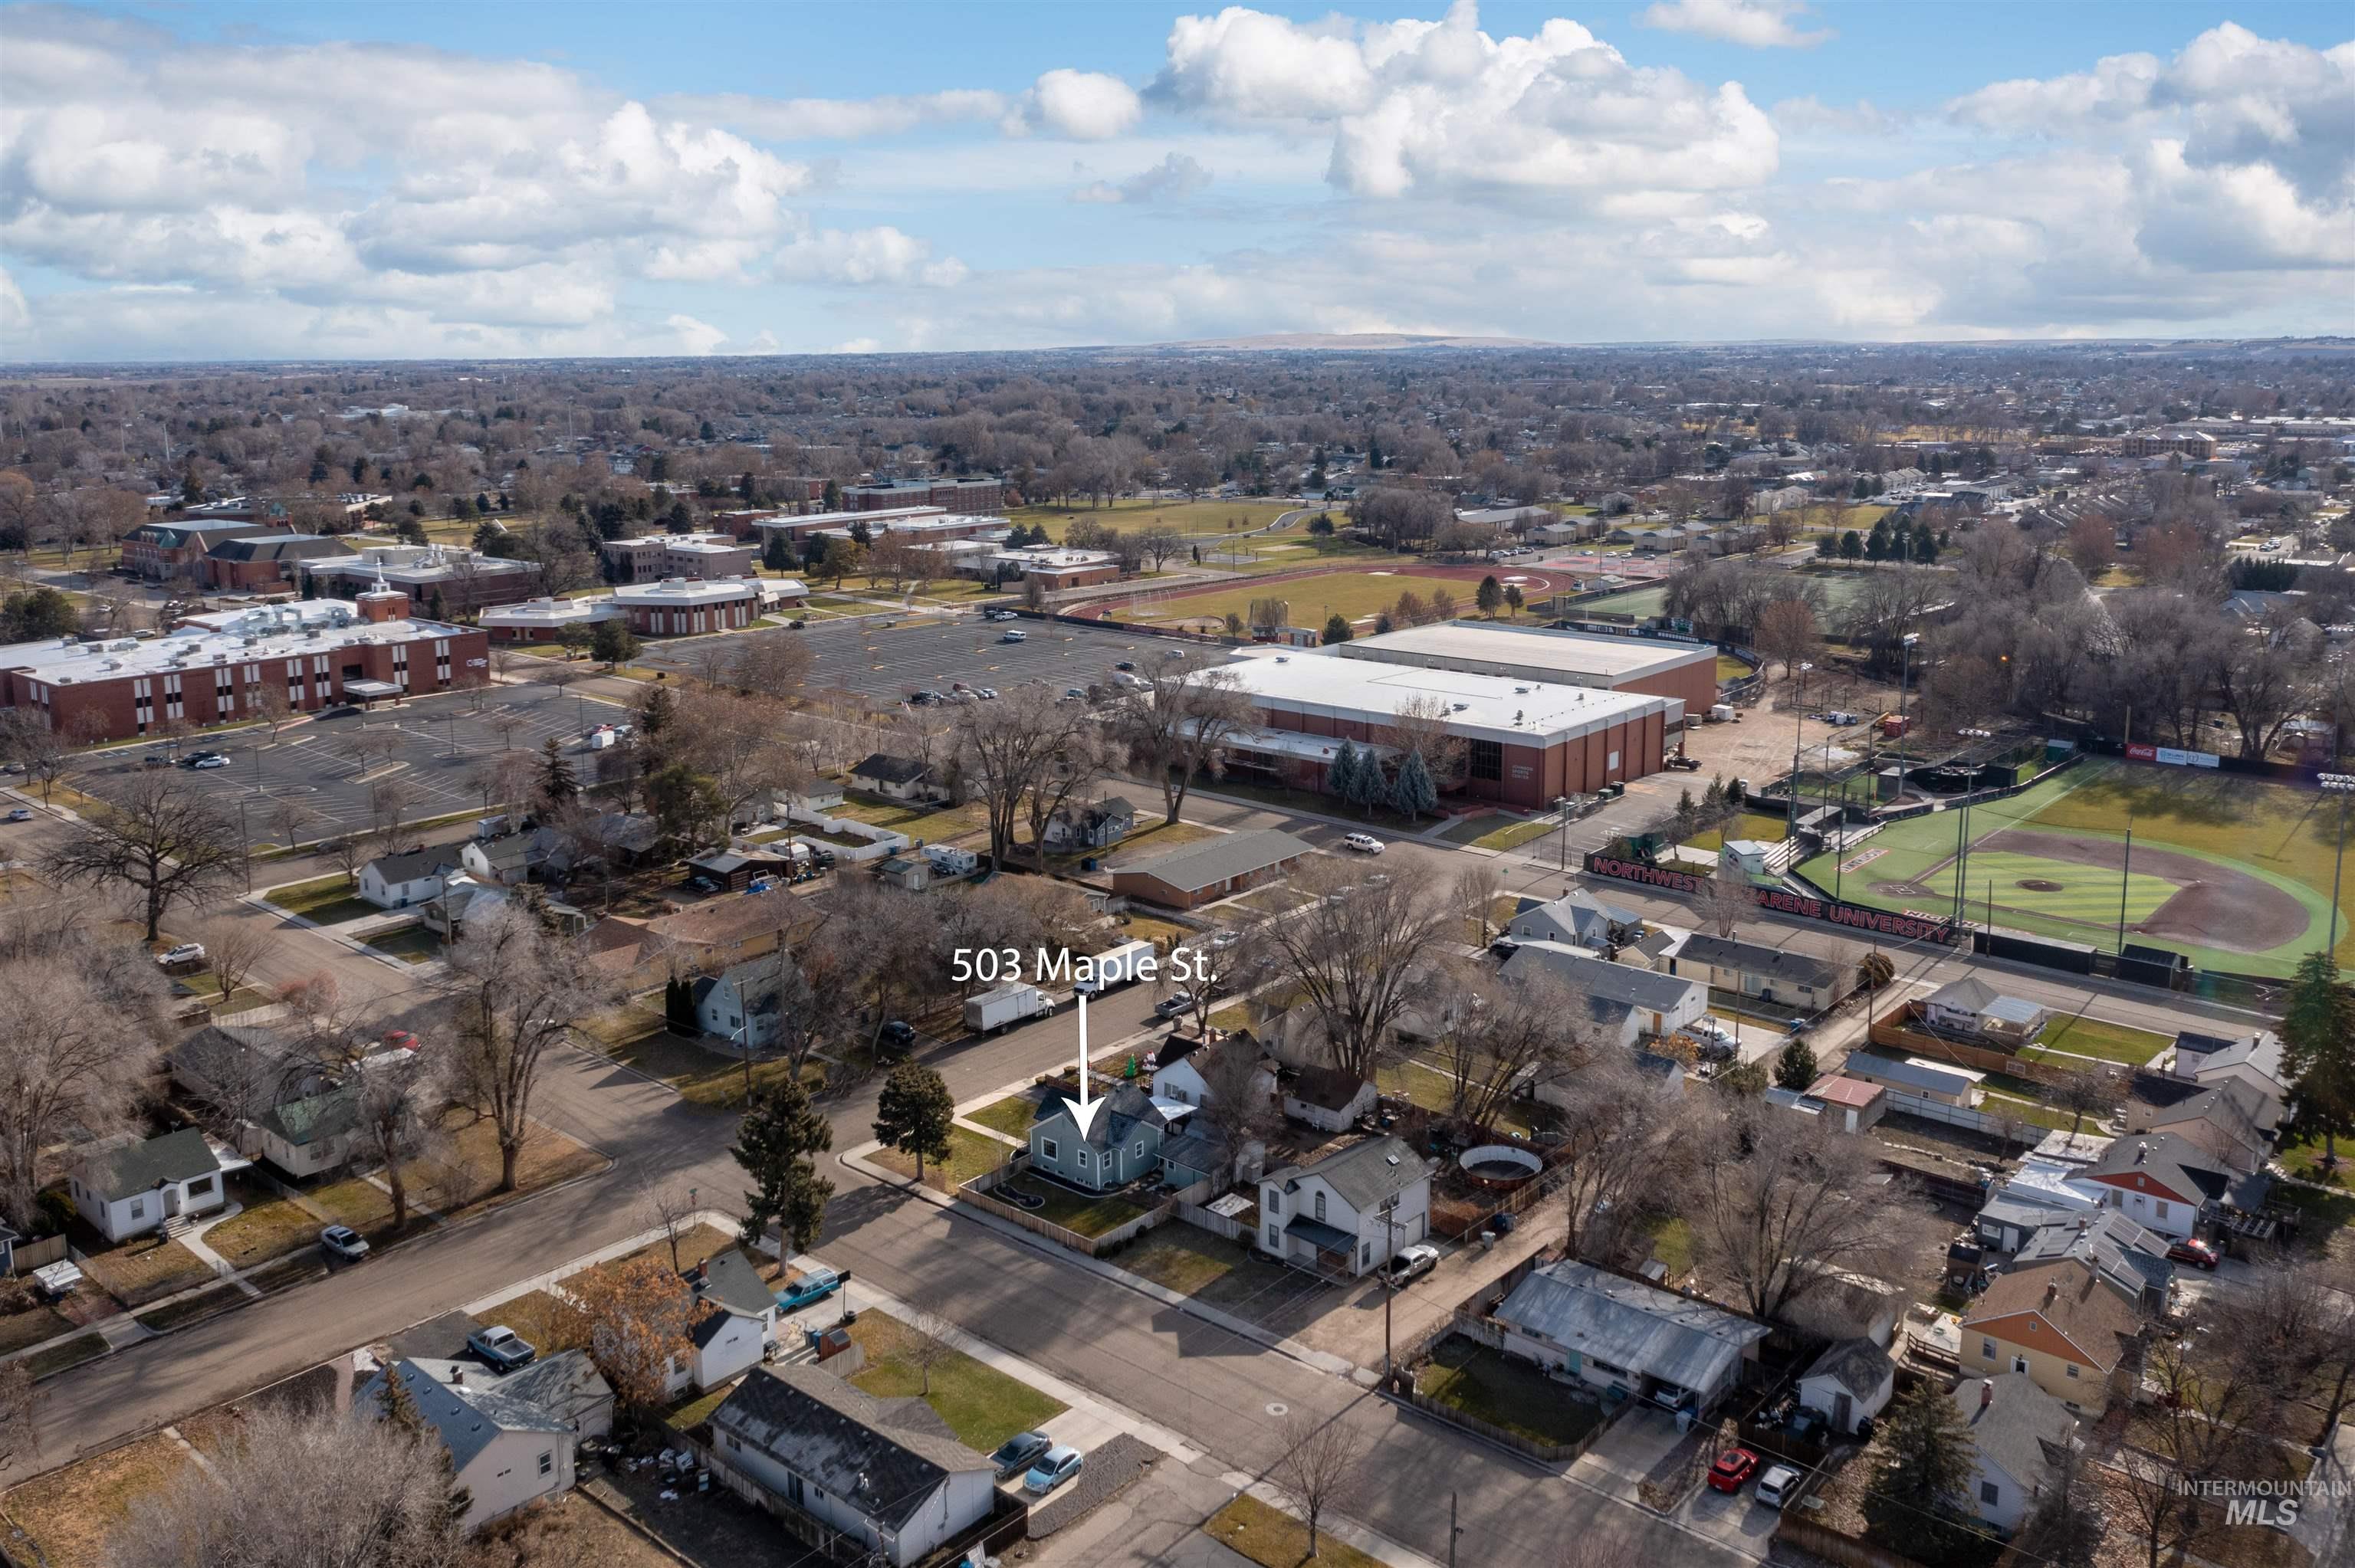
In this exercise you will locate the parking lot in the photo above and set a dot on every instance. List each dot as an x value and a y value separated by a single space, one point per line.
441 742
885 662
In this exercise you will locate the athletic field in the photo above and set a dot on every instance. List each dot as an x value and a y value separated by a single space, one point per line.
1358 596
2232 871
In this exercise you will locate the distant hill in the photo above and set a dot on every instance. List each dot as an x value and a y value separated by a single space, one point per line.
1366 342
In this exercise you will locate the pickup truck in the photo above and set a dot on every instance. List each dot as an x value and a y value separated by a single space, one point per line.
815 1285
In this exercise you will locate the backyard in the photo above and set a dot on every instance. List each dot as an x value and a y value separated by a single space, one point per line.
981 1406
2091 1037
1089 1214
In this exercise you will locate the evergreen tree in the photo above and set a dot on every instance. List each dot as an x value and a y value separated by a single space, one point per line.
1413 793
1369 788
1925 547
1917 1503
832 500
657 710
557 785
1876 544
1336 630
436 608
1198 554
774 1144
915 1114
776 551
1687 815
1373 453
1712 800
2317 1032
1341 774
1851 546
613 642
1795 1068
1489 597
861 533
1514 599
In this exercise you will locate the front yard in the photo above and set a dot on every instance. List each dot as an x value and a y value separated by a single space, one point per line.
140 1268
409 944
1491 1386
70 1512
327 901
1011 1116
27 1320
270 1227
970 1154
981 1406
1274 1538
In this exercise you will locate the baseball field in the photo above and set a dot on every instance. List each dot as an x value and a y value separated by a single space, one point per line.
2232 871
1357 596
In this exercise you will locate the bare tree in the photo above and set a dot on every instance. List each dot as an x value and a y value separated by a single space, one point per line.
1778 1203
346 854
929 1347
397 1115
2096 1092
1787 630
1726 899
390 801
514 988
1506 1037
166 842
304 1487
1475 892
1360 955
1321 1469
27 740
1421 725
235 946
1624 1135
1176 725
289 820
1238 1105
1015 746
668 1208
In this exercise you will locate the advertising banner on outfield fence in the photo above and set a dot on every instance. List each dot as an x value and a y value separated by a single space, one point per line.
2172 757
1855 916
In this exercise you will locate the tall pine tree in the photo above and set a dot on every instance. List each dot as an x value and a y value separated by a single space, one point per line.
1412 792
2317 1034
774 1144
916 1114
1368 789
1341 774
557 784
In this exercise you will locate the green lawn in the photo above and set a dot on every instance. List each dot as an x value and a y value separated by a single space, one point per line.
699 1409
1011 1116
1515 834
1490 1386
1755 825
1729 668
970 1154
2027 1110
933 824
1074 1211
1187 517
2091 1037
981 1404
327 901
1672 1244
268 1227
409 944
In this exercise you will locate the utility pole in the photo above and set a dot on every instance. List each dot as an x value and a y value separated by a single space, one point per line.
1390 1285
2125 880
2341 784
1454 1530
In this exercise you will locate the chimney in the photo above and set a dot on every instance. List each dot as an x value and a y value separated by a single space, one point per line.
2051 1291
1986 1391
457 1377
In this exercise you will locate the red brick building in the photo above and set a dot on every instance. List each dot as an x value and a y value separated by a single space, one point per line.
158 551
678 607
1656 667
266 562
981 495
216 669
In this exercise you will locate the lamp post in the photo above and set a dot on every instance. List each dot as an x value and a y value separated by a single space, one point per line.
2341 785
1905 668
1963 840
1798 732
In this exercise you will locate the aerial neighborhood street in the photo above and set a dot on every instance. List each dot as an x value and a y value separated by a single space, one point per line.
1176 791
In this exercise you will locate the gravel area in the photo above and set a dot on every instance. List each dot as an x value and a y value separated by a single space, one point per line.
1109 1468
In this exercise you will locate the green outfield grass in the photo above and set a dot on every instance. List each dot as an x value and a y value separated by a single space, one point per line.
2282 835
1190 516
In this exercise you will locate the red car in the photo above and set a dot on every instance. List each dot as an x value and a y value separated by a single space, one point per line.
2197 1254
1734 1466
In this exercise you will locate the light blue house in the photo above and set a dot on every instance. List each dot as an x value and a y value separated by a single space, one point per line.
1114 1142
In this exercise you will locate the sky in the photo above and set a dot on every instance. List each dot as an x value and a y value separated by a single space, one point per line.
218 181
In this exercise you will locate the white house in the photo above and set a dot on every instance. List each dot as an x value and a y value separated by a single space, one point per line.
1179 1075
2252 1061
1624 1003
1349 1212
724 1345
887 1471
739 1322
1578 919
2017 1435
740 1004
565 1384
1097 826
461 898
1327 1100
126 1185
293 1113
2164 1183
1851 1382
894 777
506 859
505 1451
1971 1006
397 881
1612 1332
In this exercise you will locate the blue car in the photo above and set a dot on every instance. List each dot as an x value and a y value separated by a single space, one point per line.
1055 1466
815 1285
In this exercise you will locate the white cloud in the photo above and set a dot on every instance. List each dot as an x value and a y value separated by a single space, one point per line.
1173 178
1434 108
838 119
694 336
1862 118
866 256
1755 23
1083 105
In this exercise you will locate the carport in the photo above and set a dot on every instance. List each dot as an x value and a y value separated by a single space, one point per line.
367 694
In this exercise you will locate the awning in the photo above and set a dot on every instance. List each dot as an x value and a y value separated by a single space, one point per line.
1322 1237
370 689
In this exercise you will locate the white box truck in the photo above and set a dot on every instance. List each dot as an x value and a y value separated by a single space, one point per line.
1003 1008
1115 967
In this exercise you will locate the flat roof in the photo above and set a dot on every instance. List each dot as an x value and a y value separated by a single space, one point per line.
827 519
689 591
200 647
1485 707
1529 652
550 612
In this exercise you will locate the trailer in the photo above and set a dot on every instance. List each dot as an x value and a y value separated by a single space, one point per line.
1116 967
1004 1008
947 860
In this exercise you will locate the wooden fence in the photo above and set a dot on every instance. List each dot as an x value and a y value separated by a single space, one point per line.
1891 1031
1543 1453
1836 1546
1217 1225
977 1192
31 1254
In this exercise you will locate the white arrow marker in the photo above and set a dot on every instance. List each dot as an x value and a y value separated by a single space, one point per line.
1083 1053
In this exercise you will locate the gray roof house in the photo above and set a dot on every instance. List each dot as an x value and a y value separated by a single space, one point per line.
1755 970
1613 1332
505 1449
1971 1006
888 1472
2128 1258
1578 919
1852 1380
1114 1142
1348 1212
2017 1432
1211 869
1625 1001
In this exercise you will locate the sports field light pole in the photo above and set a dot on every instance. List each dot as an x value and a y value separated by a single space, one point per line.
2341 785
1963 840
2125 880
1798 732
1905 667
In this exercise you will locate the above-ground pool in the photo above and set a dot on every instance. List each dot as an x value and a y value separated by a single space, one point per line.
1500 1165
